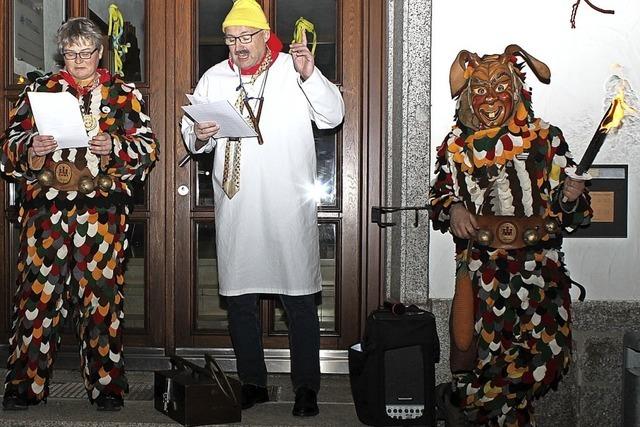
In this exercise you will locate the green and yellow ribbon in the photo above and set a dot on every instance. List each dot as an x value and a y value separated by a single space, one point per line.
116 29
301 26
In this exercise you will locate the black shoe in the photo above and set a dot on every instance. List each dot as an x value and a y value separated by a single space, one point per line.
306 403
252 394
453 415
14 402
109 402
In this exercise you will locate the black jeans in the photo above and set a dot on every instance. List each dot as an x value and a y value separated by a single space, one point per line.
304 339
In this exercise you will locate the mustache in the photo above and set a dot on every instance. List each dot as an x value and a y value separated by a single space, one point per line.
242 52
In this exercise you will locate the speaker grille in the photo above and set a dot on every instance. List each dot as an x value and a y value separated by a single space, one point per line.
404 377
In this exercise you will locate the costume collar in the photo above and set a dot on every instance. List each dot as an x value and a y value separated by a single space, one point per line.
103 77
497 145
275 46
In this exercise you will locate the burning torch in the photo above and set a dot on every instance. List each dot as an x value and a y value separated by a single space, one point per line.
612 120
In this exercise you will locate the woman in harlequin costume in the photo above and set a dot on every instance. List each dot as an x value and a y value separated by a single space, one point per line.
73 218
500 188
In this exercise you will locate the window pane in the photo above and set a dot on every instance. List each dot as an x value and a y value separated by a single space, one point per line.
128 43
204 183
35 23
209 312
134 276
211 47
139 191
328 269
323 14
326 177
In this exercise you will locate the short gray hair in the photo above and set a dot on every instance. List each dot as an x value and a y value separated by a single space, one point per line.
76 29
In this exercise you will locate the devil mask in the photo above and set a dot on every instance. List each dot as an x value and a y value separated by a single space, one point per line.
489 88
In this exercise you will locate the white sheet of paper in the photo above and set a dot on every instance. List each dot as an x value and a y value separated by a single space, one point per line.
58 114
196 100
232 125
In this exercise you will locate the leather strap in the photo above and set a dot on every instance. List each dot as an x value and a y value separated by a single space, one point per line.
508 232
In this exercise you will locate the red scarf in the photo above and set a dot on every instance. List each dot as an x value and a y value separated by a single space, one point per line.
103 77
274 44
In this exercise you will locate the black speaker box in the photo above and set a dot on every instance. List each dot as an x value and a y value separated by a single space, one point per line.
392 371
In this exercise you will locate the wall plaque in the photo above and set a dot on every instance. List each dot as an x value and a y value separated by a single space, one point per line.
608 190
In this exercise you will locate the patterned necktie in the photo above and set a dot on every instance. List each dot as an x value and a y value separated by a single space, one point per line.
233 149
231 178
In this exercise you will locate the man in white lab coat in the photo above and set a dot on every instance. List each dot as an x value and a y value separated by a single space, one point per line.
266 219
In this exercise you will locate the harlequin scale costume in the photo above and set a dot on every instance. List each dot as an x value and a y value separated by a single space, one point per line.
507 168
73 216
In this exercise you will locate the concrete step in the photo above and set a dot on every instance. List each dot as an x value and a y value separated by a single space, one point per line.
334 399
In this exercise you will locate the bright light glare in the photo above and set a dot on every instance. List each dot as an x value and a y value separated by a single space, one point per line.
319 191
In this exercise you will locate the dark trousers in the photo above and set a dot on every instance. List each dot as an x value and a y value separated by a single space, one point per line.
304 339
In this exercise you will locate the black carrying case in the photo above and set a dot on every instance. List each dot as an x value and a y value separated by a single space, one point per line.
193 395
398 354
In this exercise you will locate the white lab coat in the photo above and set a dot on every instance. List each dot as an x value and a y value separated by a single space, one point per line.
267 235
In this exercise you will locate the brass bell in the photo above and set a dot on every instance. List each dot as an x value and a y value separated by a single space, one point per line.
484 237
45 178
104 182
85 185
530 236
551 225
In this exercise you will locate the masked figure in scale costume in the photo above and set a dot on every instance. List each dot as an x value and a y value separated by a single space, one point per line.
501 189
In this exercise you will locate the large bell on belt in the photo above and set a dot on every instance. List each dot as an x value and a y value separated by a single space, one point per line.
45 178
551 225
104 182
531 236
484 237
85 185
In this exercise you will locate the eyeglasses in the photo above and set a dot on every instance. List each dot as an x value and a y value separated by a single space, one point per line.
244 38
83 55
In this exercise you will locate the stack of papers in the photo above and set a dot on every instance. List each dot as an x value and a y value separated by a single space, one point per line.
58 114
232 124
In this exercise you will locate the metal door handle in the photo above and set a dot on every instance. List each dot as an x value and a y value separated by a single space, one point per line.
183 190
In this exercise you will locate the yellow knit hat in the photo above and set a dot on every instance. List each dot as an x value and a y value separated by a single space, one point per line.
246 13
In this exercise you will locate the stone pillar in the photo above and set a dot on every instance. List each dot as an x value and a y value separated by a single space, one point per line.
408 149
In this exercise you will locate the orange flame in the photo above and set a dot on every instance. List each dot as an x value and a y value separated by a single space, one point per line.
618 109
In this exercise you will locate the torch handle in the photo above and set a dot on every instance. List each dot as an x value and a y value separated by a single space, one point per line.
592 150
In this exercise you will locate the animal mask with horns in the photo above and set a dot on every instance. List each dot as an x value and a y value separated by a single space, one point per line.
489 88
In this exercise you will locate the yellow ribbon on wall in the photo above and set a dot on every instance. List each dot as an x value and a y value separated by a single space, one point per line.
116 29
301 26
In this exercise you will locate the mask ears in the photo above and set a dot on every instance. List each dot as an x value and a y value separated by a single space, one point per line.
538 67
457 77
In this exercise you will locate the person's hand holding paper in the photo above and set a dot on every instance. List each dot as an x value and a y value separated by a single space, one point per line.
206 130
43 145
101 144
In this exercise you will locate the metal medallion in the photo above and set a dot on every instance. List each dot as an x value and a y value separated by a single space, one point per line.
90 122
63 173
507 232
